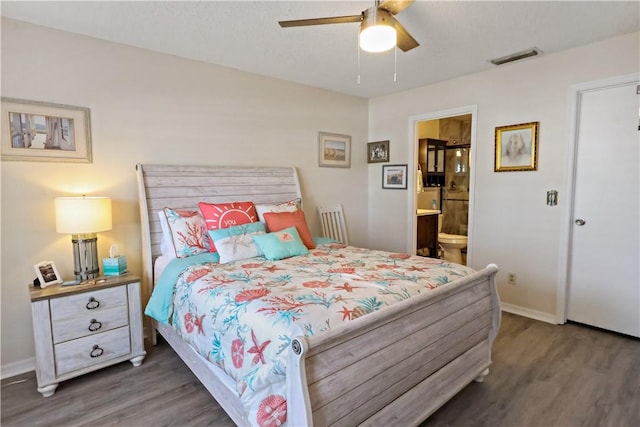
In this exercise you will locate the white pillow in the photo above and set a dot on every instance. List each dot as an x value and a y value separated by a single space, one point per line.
290 206
166 242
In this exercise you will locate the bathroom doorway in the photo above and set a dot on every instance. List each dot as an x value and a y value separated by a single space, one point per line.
444 175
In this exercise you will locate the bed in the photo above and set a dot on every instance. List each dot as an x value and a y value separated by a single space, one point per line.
392 366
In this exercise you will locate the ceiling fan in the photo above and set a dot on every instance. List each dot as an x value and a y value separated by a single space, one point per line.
379 30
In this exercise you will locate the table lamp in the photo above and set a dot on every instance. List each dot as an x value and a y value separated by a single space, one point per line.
83 217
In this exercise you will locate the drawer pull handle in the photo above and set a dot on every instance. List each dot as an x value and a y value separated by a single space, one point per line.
92 304
94 325
96 352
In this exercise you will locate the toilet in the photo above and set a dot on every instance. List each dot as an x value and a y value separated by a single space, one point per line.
451 244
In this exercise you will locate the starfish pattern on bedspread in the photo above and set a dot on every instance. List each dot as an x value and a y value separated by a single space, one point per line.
243 315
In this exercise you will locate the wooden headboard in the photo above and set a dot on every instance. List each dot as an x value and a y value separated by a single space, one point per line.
183 186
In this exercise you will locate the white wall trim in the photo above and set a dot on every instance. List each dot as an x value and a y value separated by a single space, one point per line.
411 180
16 368
575 94
411 170
527 312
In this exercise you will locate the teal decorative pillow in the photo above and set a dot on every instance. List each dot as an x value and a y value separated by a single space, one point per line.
235 243
281 244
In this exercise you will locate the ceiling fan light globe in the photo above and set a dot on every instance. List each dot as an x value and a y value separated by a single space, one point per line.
377 38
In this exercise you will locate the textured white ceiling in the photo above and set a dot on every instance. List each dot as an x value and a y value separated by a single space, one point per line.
456 38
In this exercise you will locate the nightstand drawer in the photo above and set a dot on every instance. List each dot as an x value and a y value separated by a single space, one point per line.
87 351
88 302
89 323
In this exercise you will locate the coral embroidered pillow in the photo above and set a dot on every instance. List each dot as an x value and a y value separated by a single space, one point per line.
224 215
188 232
236 243
280 244
290 206
281 220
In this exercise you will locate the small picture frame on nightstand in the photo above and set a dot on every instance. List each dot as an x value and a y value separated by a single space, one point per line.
47 273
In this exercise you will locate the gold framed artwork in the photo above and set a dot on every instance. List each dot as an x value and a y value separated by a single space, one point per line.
334 150
378 152
517 147
45 132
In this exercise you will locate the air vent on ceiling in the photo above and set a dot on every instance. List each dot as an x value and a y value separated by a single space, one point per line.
516 56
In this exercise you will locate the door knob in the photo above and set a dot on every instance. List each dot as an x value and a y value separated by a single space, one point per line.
580 222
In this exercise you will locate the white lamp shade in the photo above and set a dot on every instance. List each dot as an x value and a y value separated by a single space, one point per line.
80 215
378 38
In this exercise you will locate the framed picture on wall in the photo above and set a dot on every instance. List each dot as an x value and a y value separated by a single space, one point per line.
378 152
44 132
394 177
334 150
517 147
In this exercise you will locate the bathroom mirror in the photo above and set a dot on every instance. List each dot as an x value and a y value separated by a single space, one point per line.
462 160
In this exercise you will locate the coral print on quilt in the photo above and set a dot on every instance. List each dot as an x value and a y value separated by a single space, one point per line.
243 315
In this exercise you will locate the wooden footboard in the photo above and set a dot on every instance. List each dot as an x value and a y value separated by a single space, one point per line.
398 365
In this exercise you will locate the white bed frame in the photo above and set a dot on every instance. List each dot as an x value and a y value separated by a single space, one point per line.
392 367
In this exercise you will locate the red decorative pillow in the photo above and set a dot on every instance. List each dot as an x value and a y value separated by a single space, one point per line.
277 221
225 215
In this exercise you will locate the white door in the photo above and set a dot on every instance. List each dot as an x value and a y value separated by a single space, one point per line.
604 277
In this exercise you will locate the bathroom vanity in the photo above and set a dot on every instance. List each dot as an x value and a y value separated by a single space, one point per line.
427 233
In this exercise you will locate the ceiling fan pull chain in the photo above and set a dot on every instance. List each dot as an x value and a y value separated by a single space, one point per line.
395 64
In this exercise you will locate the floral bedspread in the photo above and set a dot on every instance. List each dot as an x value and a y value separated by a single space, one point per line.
242 316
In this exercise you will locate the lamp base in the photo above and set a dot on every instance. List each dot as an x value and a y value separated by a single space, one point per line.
85 256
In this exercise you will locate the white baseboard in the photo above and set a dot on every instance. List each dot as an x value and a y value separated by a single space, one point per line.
527 312
16 368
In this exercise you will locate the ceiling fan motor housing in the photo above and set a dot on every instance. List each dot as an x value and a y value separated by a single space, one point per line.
377 32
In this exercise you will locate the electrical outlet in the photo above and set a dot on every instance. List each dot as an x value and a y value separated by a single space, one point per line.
511 279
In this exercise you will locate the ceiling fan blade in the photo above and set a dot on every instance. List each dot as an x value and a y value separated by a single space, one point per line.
321 21
404 39
395 6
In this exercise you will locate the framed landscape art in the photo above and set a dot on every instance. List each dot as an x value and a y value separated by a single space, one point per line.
394 177
45 132
334 150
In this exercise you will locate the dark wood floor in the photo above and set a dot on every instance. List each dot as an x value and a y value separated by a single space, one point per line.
543 375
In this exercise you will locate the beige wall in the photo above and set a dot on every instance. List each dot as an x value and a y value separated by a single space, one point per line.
153 108
148 107
512 225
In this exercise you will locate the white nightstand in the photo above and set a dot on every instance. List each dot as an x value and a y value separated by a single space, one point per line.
82 328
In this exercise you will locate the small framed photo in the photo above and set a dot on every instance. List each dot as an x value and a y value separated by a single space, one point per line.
517 147
44 132
394 176
334 150
378 152
47 273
